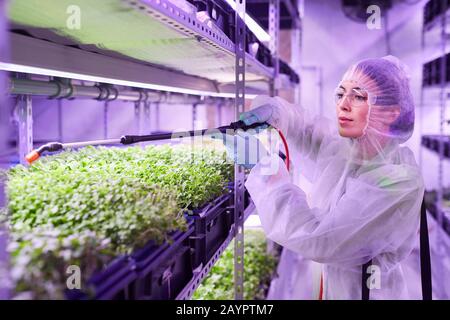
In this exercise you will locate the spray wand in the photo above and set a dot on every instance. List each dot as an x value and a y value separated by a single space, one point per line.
131 139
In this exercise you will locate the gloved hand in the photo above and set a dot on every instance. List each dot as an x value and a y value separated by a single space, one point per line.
243 148
260 114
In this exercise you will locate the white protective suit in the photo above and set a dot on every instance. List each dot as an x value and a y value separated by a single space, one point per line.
366 192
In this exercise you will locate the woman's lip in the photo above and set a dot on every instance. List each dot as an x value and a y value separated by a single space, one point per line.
344 119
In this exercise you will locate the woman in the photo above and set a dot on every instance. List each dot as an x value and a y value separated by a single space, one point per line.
367 190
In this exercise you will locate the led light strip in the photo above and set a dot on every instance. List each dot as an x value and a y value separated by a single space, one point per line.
259 32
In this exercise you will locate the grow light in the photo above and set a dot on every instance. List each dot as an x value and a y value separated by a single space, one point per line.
259 32
56 73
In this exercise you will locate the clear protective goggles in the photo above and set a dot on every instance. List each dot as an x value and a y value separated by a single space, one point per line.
357 97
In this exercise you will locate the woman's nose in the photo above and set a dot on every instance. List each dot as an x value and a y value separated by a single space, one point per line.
344 104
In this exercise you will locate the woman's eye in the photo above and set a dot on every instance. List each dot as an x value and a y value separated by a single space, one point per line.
339 95
360 98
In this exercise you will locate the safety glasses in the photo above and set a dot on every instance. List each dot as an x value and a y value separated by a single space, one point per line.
357 97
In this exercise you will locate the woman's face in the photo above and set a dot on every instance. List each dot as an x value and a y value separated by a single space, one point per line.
352 109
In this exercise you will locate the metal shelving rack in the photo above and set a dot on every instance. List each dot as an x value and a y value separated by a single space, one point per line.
434 90
239 175
60 54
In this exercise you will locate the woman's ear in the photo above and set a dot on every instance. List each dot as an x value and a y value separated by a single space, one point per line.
392 114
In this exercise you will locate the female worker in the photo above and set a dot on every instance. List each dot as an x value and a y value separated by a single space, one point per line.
366 188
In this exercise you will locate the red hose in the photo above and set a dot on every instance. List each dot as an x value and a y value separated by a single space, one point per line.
286 148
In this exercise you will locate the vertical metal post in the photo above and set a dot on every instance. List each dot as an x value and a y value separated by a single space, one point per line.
24 114
440 194
238 171
219 113
194 115
296 48
105 120
137 117
147 127
4 110
443 98
157 117
274 29
295 59
422 98
60 120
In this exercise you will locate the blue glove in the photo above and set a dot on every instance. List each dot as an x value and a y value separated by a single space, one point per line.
260 114
244 149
